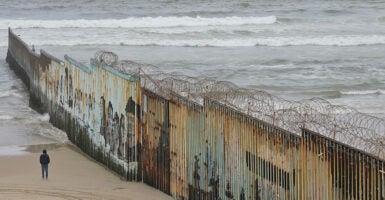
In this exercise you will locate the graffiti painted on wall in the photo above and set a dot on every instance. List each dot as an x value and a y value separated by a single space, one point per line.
93 97
118 129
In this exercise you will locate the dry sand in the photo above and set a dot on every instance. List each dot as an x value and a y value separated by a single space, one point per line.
72 175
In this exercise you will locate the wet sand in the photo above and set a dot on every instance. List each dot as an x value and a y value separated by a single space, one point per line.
72 175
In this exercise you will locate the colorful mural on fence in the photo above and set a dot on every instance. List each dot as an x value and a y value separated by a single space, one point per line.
110 122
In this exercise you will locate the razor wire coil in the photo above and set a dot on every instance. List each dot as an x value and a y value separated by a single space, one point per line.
341 123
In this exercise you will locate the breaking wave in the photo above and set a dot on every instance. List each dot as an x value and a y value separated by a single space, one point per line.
12 150
100 39
140 22
364 92
6 117
44 118
8 93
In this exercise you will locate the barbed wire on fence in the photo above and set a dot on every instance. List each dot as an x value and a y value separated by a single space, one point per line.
341 123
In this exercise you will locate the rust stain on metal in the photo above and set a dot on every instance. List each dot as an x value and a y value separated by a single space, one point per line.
156 142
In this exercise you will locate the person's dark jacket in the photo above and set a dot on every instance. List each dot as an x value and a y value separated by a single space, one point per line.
44 159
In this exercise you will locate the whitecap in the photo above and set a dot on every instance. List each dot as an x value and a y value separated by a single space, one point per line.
139 22
12 150
276 41
8 93
6 117
363 92
44 118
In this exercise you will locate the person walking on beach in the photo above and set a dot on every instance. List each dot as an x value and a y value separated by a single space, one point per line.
44 161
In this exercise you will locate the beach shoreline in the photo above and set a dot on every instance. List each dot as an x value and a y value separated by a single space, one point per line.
72 175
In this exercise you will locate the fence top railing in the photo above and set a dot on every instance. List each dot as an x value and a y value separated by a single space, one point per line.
183 100
13 36
77 64
48 55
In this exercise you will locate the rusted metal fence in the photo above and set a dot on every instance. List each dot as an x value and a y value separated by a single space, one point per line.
204 139
97 106
252 159
156 141
345 172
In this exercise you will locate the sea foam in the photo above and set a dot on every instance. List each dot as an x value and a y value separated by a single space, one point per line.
364 92
6 117
8 93
44 118
12 150
100 39
139 22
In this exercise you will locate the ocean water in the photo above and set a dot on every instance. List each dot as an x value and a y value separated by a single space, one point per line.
20 125
295 50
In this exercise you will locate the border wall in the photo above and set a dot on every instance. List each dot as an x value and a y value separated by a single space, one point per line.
96 106
186 149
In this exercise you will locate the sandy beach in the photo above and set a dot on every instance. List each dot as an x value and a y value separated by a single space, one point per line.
72 175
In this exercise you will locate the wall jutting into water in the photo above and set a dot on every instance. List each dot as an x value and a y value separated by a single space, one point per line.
97 106
185 149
